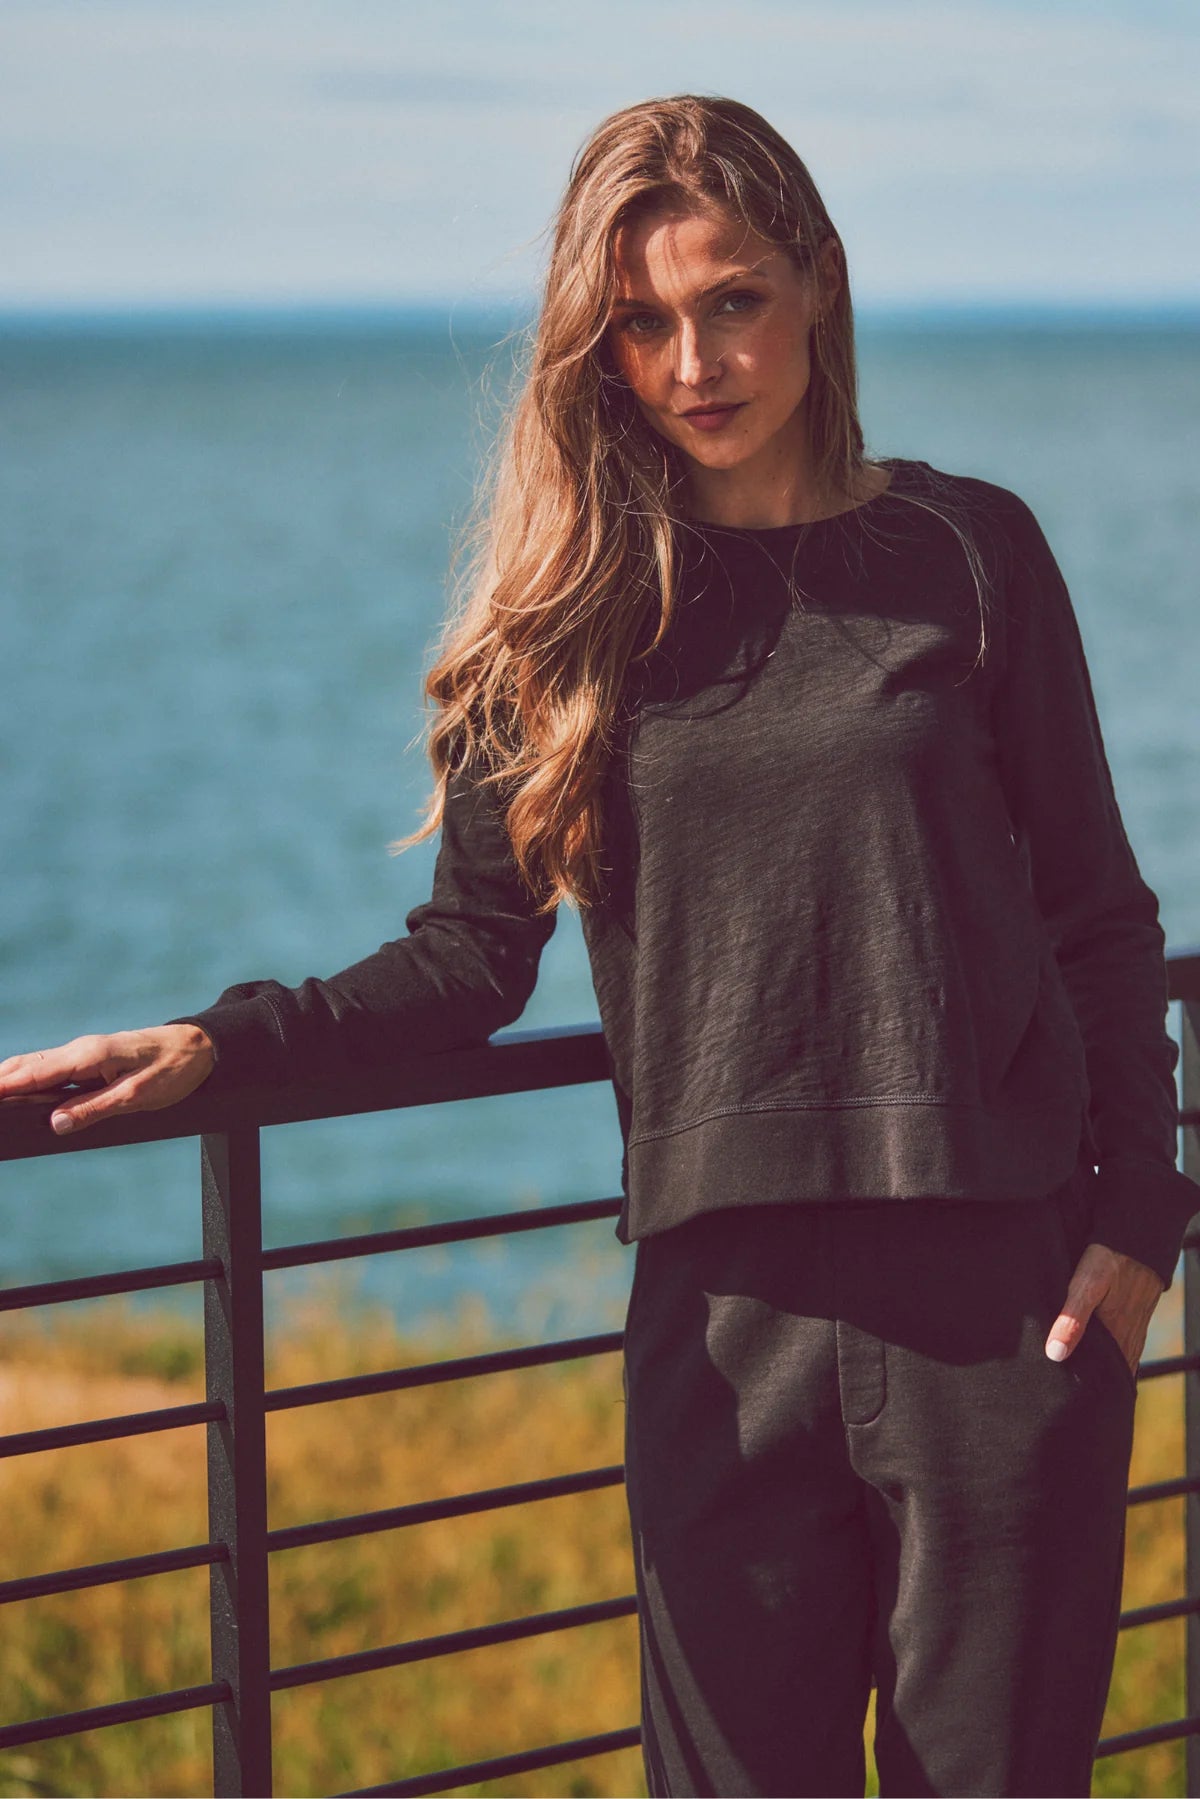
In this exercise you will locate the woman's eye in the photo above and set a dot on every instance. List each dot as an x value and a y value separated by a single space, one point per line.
740 302
644 324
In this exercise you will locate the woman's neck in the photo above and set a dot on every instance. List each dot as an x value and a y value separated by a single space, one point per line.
773 492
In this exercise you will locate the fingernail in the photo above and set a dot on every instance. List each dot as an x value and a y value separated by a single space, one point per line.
1056 1349
62 1122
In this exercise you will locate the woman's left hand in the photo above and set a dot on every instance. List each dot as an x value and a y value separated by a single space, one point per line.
1120 1290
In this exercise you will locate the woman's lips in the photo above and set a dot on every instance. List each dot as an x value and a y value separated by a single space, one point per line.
712 418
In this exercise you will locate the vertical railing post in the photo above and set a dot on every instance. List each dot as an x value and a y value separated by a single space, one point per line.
237 1470
1190 1105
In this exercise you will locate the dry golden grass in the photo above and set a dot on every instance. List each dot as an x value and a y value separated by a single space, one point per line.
100 1501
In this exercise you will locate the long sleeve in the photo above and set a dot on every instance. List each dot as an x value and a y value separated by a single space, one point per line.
1101 915
466 968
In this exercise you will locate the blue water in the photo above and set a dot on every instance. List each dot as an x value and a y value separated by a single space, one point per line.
222 560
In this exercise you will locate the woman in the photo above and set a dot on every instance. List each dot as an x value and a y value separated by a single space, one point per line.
810 740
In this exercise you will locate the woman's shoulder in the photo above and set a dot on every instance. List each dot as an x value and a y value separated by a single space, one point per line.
1001 526
986 501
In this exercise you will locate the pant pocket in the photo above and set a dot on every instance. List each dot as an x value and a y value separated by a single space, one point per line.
1109 1342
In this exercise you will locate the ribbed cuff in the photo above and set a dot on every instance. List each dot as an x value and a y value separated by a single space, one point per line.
1142 1209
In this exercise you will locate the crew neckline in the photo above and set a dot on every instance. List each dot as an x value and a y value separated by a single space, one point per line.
894 463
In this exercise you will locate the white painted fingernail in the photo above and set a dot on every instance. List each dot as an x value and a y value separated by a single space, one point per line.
61 1122
1056 1349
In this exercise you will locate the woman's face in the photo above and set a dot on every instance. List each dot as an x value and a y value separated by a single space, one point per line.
710 328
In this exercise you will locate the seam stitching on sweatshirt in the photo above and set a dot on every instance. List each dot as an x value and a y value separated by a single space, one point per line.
816 1105
277 1015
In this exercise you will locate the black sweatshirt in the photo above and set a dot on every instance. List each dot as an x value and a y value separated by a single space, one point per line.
872 927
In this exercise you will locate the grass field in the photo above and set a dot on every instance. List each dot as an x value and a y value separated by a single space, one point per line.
129 1497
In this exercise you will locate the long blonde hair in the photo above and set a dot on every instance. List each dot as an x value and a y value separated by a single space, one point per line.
568 565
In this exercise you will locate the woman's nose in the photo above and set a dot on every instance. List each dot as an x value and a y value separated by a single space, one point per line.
695 358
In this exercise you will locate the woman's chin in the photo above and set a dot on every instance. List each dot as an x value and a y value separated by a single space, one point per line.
718 453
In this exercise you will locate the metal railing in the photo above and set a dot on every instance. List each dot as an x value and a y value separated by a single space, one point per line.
237 1400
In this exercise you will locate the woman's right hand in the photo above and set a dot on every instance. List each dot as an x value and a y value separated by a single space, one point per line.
141 1071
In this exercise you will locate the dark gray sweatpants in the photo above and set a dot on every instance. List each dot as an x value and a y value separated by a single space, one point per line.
849 1458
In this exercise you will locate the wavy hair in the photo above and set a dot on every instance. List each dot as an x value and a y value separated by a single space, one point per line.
568 564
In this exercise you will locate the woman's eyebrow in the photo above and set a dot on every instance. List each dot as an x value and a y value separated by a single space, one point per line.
706 293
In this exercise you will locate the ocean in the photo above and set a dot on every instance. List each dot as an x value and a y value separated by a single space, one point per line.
223 554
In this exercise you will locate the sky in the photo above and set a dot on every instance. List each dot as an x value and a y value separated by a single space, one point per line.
294 152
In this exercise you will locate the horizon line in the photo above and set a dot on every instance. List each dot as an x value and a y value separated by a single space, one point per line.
515 314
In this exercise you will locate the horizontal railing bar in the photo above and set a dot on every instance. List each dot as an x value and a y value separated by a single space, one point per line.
1152 1733
1183 973
426 1374
1163 1489
1171 1364
125 1711
96 1286
513 1061
432 1511
501 1767
104 1430
455 1642
99 1574
424 1236
1159 1614
467 1367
